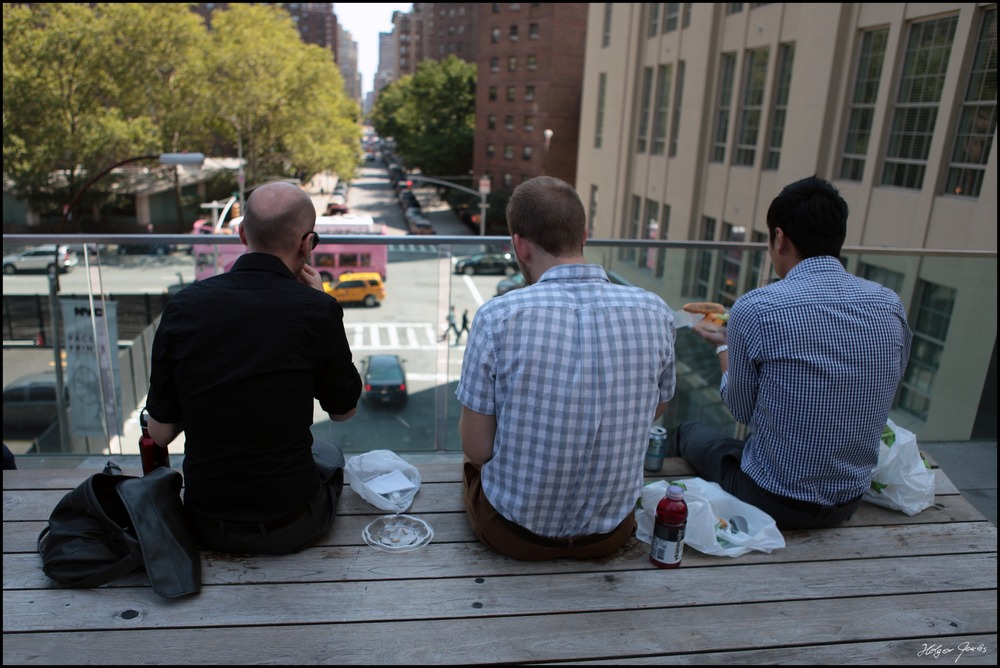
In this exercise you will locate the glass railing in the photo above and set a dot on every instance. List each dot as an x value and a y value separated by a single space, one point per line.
89 331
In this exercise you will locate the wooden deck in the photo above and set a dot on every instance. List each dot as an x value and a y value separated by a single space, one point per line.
883 589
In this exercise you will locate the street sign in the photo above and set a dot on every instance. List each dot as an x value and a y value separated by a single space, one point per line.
484 185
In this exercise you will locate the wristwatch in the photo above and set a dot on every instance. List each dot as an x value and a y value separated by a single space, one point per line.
721 349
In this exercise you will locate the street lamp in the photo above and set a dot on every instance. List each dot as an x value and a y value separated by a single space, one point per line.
547 133
164 158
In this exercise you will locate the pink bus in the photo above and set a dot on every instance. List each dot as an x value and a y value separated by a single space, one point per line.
330 259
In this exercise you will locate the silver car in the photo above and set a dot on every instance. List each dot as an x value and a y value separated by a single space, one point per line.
40 259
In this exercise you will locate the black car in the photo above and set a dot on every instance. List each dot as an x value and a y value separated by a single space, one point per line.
487 263
384 380
30 406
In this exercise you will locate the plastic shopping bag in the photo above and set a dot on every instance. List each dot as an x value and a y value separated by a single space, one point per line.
383 479
902 480
718 523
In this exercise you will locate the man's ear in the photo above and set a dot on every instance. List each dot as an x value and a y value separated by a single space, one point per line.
243 235
522 247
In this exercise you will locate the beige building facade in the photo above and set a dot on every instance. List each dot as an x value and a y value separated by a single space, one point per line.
695 115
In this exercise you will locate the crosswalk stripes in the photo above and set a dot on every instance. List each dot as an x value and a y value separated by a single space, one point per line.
393 336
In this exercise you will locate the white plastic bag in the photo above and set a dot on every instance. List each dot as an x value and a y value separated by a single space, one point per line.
383 479
718 523
902 480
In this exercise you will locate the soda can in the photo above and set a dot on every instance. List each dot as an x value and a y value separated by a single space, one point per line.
657 449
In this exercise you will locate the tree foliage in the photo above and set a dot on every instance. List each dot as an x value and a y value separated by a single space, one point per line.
431 116
87 86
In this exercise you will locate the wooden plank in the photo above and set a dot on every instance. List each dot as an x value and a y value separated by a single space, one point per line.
36 504
470 559
904 623
379 599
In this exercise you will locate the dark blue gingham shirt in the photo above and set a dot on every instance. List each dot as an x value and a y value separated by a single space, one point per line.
573 367
814 363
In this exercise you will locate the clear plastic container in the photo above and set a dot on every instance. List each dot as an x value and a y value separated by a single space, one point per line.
398 533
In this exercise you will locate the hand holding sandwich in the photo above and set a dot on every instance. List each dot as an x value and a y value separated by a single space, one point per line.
712 327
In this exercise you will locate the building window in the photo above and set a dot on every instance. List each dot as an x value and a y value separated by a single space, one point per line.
495 36
930 330
915 113
496 7
777 134
890 279
628 253
862 110
529 123
726 70
756 263
653 25
508 152
751 108
730 263
664 76
734 7
647 94
978 119
602 85
526 153
508 122
592 217
686 18
494 64
508 180
672 11
661 253
491 150
511 93
531 63
492 93
703 263
491 122
606 32
675 123
512 64
529 93
513 33
651 231
532 31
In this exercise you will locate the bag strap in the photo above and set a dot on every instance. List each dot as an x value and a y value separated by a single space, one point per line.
123 567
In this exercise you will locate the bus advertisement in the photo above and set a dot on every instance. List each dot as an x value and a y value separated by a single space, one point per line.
329 258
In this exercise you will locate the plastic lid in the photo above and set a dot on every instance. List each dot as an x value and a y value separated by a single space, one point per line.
675 492
398 533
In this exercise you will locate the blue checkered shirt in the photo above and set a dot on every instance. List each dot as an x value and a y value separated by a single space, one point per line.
814 363
573 367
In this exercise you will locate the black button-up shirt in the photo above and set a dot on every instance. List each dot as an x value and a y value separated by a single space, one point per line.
238 359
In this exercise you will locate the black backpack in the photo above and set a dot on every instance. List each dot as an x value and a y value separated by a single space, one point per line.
113 524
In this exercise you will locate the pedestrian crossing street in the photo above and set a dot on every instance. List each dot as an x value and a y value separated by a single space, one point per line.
397 336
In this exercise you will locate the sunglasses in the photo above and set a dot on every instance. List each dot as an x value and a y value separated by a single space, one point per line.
315 239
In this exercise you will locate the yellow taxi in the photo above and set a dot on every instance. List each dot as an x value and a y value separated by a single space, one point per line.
357 288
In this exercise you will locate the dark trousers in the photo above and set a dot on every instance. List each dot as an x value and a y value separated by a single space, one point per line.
717 458
301 529
509 539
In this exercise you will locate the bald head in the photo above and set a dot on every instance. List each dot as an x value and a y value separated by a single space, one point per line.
277 215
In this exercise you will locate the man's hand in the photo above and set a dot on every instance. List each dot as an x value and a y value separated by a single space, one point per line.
712 333
309 276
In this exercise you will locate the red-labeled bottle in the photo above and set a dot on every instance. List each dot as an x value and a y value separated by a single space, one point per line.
667 547
153 456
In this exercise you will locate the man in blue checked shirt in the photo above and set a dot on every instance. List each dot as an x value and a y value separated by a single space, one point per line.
811 363
560 384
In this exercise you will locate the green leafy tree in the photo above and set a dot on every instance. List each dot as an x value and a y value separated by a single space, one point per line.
431 116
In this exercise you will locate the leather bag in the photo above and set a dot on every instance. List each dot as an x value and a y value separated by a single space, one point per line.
113 524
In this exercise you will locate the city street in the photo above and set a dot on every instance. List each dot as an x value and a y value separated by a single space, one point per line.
420 285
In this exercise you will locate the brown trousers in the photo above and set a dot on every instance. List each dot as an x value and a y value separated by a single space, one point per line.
509 539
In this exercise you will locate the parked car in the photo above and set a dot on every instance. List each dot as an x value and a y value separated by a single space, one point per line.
422 226
487 263
29 406
39 259
336 209
144 249
384 380
408 200
357 288
512 283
